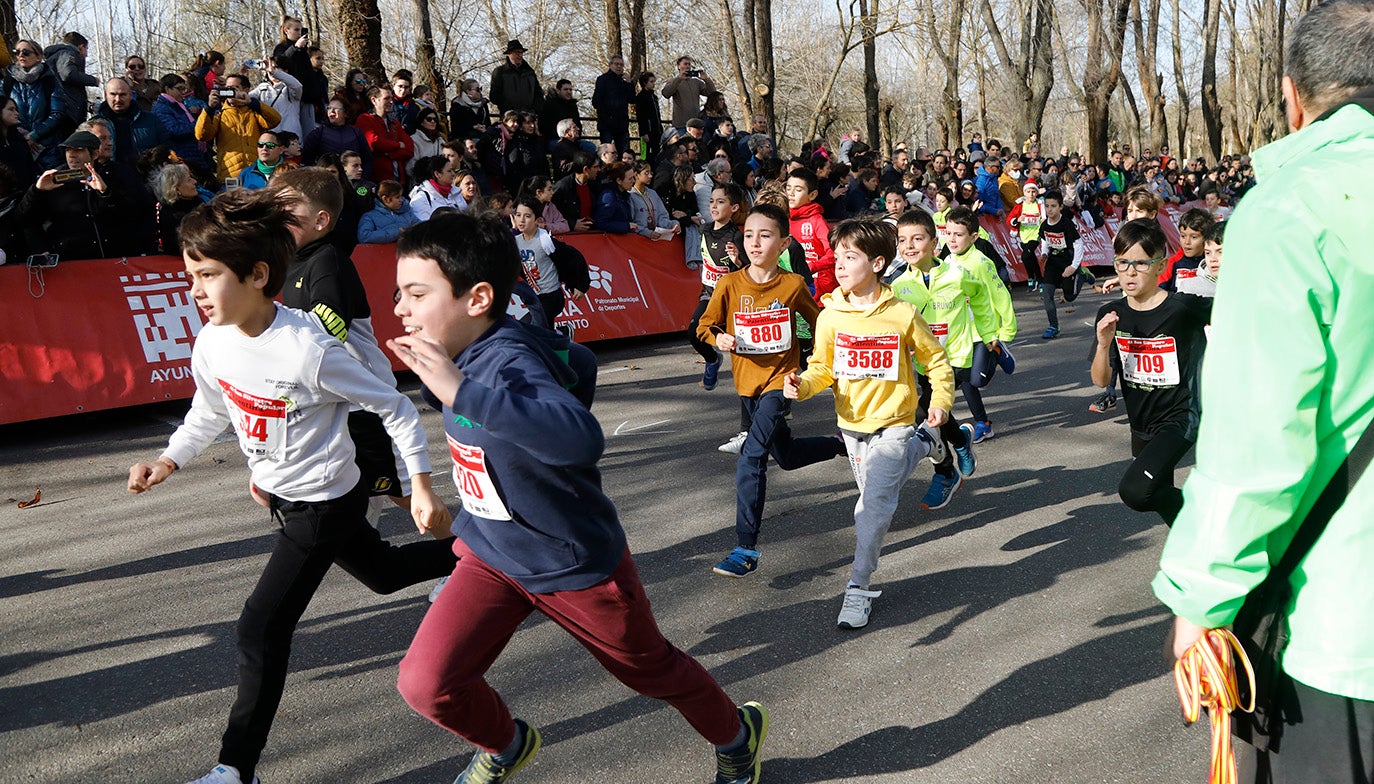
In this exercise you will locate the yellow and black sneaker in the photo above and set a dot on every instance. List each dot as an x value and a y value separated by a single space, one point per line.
742 765
488 768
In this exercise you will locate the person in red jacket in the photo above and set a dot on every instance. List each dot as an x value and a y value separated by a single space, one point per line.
391 145
809 228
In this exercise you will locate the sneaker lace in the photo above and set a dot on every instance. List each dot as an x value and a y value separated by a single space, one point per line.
735 766
853 602
484 769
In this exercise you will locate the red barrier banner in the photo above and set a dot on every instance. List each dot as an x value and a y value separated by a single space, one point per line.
108 333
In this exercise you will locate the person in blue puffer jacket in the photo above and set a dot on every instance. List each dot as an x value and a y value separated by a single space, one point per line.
179 123
612 213
41 101
384 222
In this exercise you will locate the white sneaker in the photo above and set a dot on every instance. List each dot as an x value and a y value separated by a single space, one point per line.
937 444
437 589
858 603
222 774
733 446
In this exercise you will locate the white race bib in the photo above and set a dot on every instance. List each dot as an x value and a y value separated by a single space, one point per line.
940 331
516 308
866 356
475 487
1054 240
763 331
711 272
1185 274
259 421
1149 361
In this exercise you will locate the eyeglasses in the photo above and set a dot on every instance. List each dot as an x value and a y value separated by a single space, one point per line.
268 145
1140 265
430 119
360 80
137 67
334 109
25 53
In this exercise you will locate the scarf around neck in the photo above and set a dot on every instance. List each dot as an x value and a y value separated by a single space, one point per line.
442 190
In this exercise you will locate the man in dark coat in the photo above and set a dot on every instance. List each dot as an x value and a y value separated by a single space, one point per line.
514 84
611 99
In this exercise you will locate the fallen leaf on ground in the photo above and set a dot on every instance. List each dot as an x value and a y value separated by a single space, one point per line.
37 496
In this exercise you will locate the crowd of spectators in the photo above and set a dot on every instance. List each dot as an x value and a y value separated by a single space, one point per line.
111 177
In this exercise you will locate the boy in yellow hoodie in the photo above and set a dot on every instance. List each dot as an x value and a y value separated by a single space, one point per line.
866 341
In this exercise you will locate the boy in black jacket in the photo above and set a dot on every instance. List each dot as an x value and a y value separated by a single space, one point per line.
535 531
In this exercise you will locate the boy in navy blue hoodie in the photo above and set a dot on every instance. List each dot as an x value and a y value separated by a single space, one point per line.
535 531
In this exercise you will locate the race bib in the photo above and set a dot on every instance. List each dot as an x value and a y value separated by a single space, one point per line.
763 332
259 421
516 308
1054 240
711 272
1149 361
475 487
1185 274
866 356
940 331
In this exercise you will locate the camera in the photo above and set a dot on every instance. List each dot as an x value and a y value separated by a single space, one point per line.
226 92
305 32
693 73
43 260
67 175
254 65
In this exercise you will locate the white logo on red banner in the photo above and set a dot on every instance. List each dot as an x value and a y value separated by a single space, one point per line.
867 356
1149 362
166 317
475 487
763 331
259 421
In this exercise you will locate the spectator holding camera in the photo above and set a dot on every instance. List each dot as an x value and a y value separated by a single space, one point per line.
71 211
40 108
233 121
135 131
145 90
281 91
685 91
294 55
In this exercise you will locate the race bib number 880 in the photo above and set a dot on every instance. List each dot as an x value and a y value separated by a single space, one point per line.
763 331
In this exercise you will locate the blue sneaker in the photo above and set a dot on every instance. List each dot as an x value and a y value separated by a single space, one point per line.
941 491
744 765
1050 333
963 456
1004 358
484 767
710 376
739 563
982 431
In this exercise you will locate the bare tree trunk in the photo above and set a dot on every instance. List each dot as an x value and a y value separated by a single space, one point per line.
1102 69
885 126
1211 104
946 45
983 99
1030 74
868 22
360 25
761 14
614 43
639 49
732 46
427 70
1151 82
1133 131
823 109
1180 86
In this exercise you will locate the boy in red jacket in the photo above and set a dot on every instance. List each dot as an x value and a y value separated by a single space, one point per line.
808 227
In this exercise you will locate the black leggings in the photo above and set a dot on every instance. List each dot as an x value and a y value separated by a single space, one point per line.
552 304
1148 485
1029 261
950 432
1054 280
972 379
313 536
706 350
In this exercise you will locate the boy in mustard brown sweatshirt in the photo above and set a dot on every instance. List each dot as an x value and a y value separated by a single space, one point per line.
866 340
750 317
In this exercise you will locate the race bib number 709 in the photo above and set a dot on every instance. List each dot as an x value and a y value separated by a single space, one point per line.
1149 361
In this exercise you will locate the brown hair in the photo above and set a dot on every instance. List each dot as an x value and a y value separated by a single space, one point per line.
1145 199
240 228
873 238
320 189
388 188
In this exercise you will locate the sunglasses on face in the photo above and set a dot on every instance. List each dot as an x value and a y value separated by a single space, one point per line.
360 80
1140 265
268 145
24 53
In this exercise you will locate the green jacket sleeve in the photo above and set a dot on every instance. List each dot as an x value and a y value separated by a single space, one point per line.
1259 467
985 319
1001 301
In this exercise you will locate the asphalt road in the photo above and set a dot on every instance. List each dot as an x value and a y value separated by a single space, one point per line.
1016 639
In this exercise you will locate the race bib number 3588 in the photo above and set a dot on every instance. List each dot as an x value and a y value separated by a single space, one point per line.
259 421
867 356
1149 361
763 331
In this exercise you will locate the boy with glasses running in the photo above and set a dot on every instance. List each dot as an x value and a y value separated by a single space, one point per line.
1155 340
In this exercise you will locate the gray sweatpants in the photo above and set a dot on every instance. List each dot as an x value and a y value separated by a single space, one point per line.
881 461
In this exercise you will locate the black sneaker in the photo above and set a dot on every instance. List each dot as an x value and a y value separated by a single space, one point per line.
742 767
1104 403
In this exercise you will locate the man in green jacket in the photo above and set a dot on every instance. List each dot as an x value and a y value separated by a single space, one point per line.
1286 393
